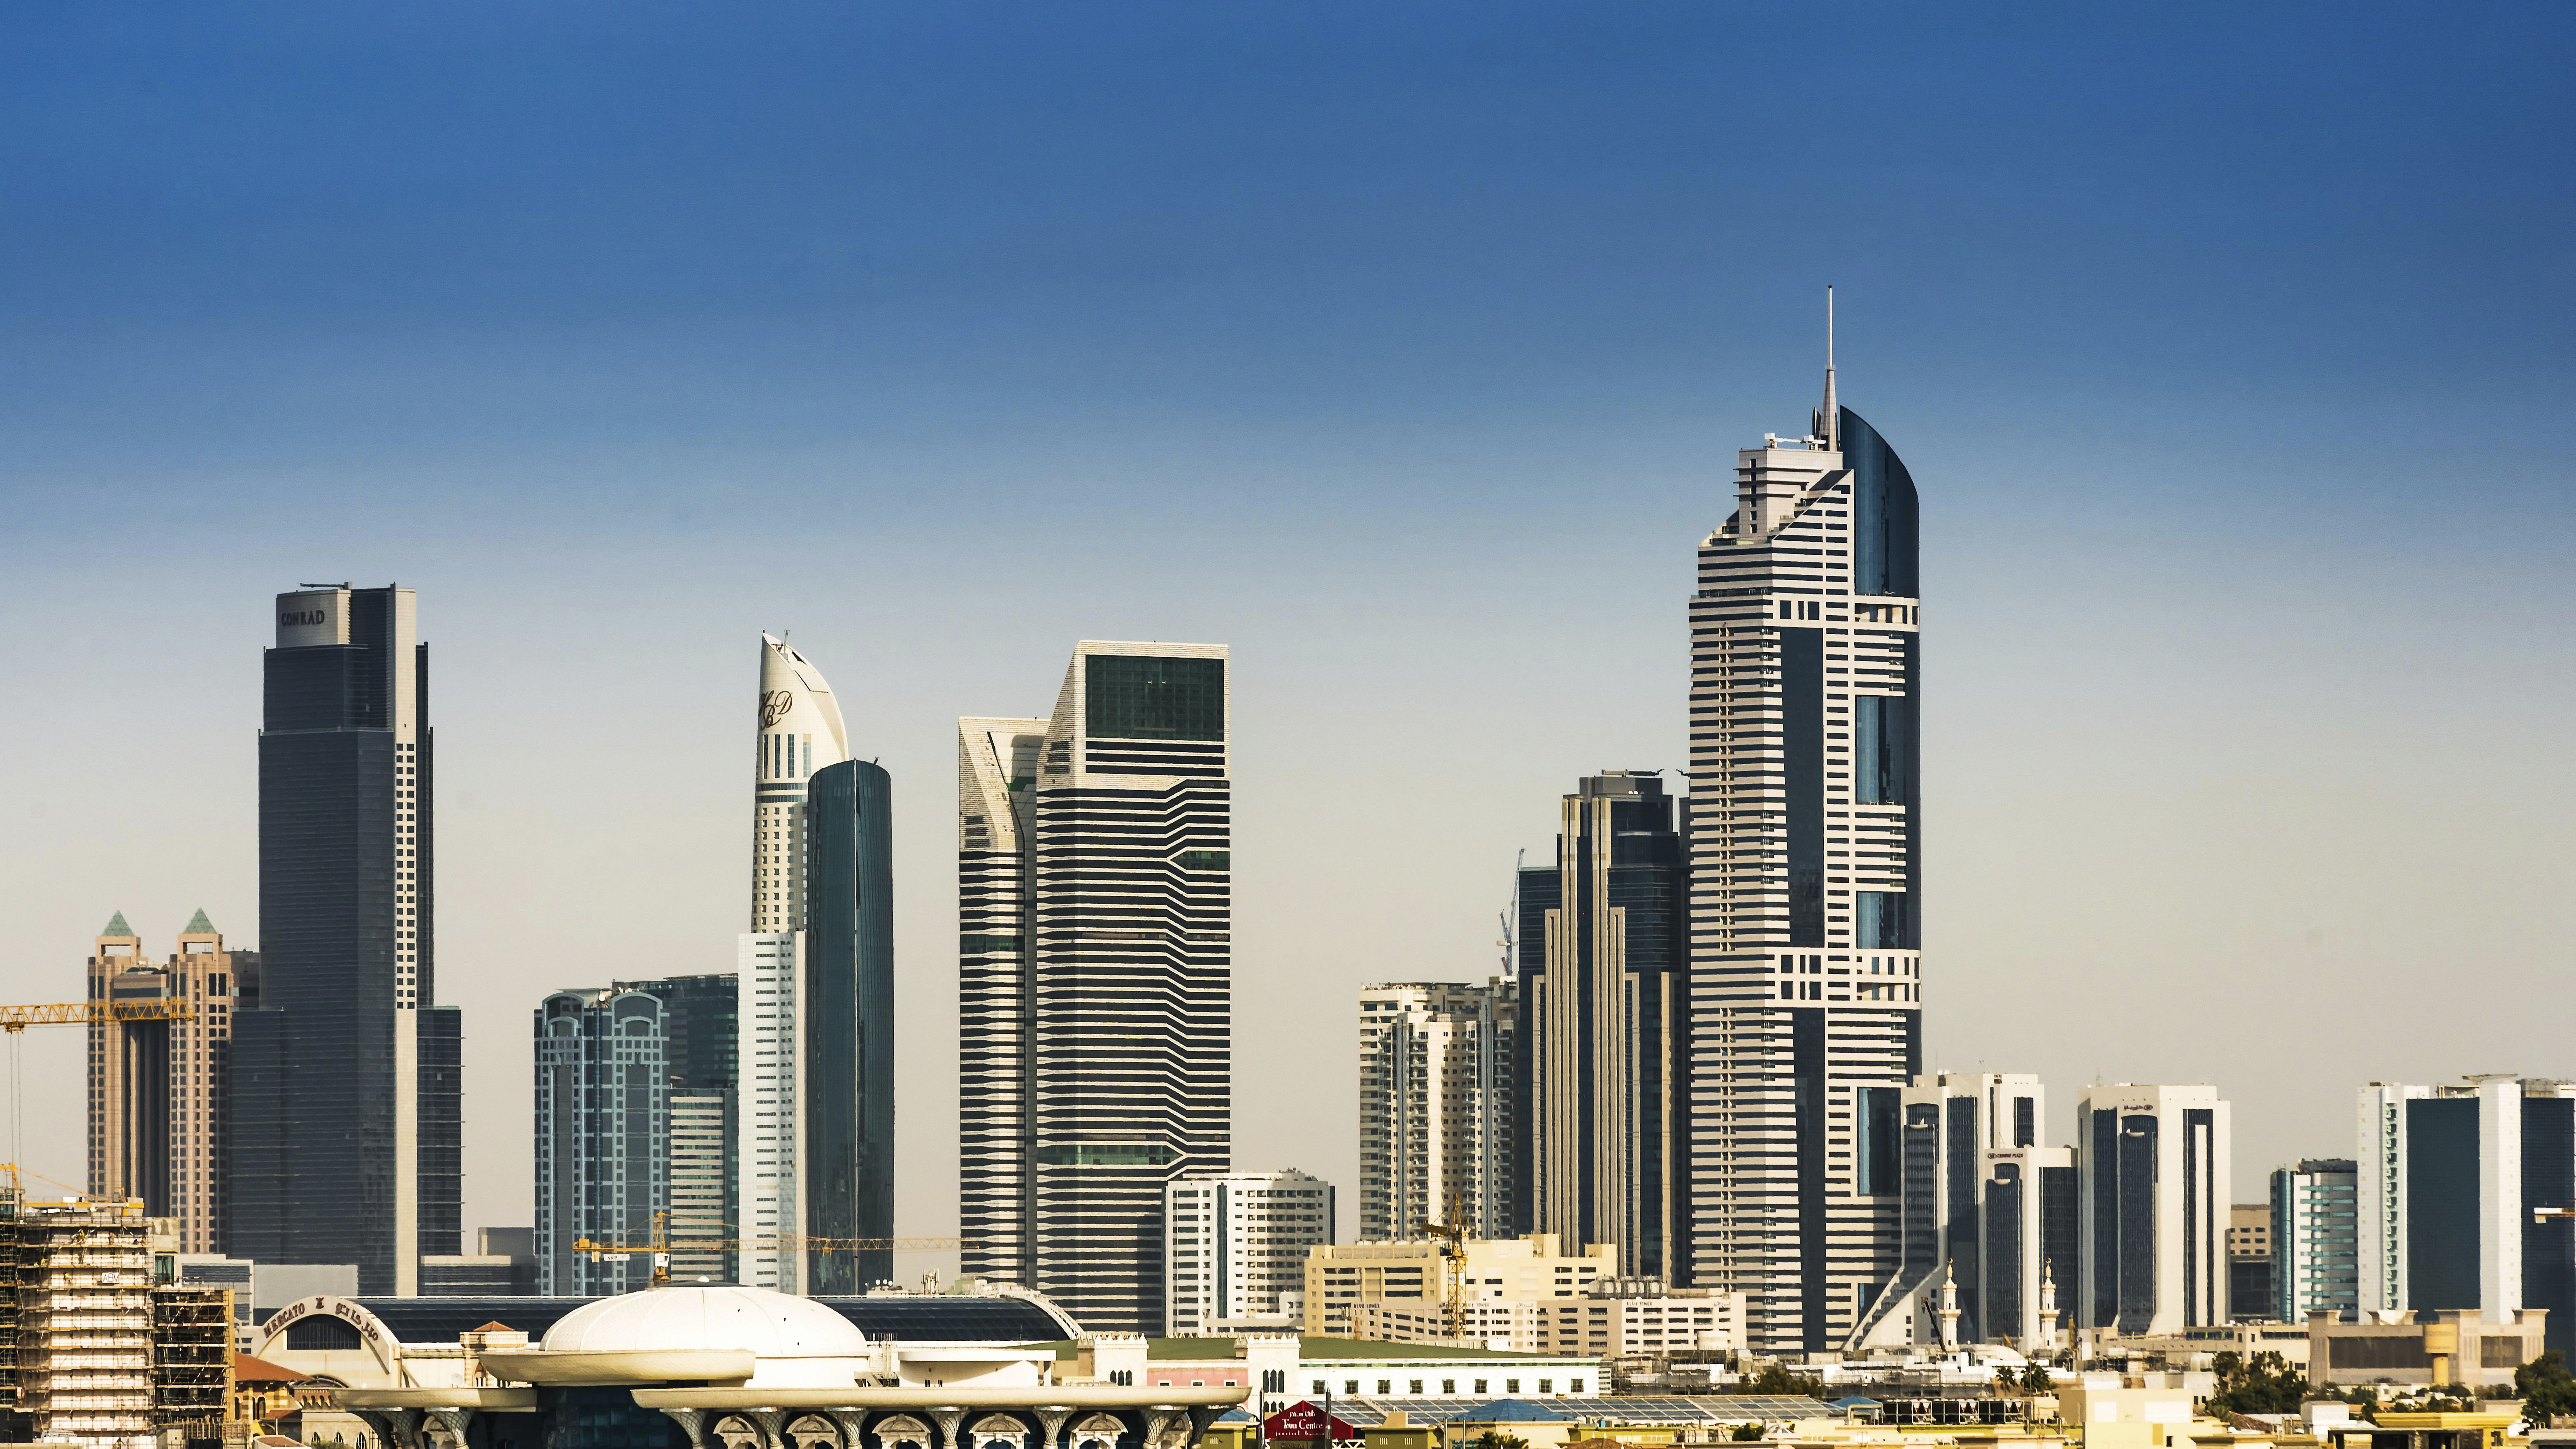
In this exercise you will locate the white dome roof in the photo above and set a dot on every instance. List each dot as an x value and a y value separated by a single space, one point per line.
661 1320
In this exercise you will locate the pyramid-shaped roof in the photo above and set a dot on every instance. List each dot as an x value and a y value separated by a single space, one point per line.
116 926
198 925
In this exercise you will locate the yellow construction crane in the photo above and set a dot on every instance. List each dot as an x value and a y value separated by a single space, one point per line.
82 1013
1453 1251
16 1019
661 1245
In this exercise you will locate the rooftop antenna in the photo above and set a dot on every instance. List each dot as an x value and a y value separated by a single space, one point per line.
1829 418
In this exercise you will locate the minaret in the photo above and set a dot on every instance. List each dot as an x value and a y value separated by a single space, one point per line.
2048 1304
1949 1307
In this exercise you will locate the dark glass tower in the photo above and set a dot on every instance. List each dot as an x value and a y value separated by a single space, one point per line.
345 1080
849 1023
1604 967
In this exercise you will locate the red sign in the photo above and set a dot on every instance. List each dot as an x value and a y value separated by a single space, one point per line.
1304 1420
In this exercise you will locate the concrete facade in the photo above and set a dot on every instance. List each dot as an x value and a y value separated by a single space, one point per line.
1438 1063
1234 1246
160 1120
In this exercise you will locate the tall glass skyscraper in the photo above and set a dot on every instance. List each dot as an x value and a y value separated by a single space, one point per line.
1806 849
603 1138
1605 983
1095 974
848 1109
345 1081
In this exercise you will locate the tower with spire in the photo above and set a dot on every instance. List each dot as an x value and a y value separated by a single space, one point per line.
1806 965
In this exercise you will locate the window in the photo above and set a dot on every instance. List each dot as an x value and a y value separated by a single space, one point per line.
1415 1388
1385 1387
1480 1386
1574 1386
1511 1386
1140 697
1352 1386
1450 1386
1547 1386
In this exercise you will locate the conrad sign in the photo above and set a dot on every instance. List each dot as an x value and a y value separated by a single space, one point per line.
312 616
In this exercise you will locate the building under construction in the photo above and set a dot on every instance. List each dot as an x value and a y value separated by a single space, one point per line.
94 1348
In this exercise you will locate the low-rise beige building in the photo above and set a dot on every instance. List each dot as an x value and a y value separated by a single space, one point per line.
2456 1347
1340 1276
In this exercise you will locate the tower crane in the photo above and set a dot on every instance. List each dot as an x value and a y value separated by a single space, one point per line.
1453 1253
16 1019
660 1245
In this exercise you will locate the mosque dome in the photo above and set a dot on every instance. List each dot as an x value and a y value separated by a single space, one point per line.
675 1319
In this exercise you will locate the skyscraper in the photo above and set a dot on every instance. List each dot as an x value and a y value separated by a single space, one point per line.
997 776
1605 975
603 1138
1946 1146
160 1125
2449 1181
2153 1173
849 1023
800 733
1806 855
1438 1107
345 1079
702 1036
1095 974
1234 1249
2316 1239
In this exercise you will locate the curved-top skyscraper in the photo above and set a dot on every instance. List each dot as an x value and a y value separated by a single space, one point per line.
800 733
1806 850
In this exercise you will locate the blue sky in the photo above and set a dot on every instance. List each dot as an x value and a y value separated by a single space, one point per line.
1403 348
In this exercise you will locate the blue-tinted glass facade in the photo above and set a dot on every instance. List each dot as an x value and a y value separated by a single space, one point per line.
2136 1196
849 1021
1885 543
1802 706
2007 1201
1965 1136
2442 1237
1878 1146
2549 1244
2102 1149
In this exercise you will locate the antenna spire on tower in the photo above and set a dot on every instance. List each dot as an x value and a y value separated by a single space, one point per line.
1829 418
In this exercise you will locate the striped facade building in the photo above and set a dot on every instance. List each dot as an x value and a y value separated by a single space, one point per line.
1806 886
1095 974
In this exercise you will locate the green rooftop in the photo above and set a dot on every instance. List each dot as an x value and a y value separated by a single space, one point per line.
198 925
116 926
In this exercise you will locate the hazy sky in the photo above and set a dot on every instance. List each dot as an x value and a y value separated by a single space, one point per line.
1404 349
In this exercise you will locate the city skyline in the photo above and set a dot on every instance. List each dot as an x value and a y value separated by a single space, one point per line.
1219 334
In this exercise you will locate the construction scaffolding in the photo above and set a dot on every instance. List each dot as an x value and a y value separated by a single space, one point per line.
94 1353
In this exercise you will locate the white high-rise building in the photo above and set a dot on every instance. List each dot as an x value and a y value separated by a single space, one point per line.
1437 1066
2448 1178
800 733
1234 1250
1806 902
1941 1144
2155 1200
1095 974
997 775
